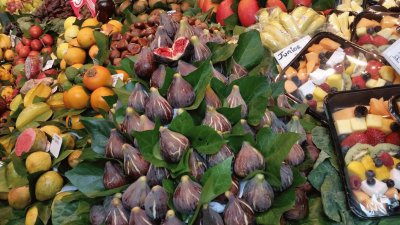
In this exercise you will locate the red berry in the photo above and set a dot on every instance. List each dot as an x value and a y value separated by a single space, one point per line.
375 136
359 81
355 182
386 159
355 138
393 138
379 41
373 68
365 39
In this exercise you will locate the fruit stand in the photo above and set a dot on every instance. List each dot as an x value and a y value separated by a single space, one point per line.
177 112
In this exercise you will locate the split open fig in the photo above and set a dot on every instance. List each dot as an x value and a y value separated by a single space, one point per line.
181 48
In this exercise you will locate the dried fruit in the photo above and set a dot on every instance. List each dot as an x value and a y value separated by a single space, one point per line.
181 48
113 176
158 77
300 209
209 216
138 98
145 65
258 193
161 39
155 175
286 174
237 211
136 193
131 121
180 93
114 145
197 165
138 217
158 107
296 155
186 195
200 51
220 156
171 219
185 68
235 99
117 214
211 98
216 120
135 165
97 215
248 160
156 202
173 145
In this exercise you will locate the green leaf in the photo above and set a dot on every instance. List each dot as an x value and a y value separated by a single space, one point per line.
148 141
232 114
62 156
99 129
389 221
317 176
235 141
199 79
250 50
182 167
316 214
221 52
182 123
321 139
87 177
123 95
103 42
3 181
321 5
205 139
76 213
333 198
169 75
44 209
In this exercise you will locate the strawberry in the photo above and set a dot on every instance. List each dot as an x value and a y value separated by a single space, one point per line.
387 159
359 81
379 41
355 138
375 136
393 138
373 68
276 3
365 39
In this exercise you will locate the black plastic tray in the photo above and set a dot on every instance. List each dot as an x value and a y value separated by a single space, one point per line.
339 100
374 6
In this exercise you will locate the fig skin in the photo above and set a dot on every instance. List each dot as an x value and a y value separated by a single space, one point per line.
216 120
155 175
158 107
131 121
295 156
248 160
186 195
169 25
139 217
185 30
180 92
200 51
235 99
138 98
161 39
135 165
185 68
220 156
258 193
286 174
114 145
158 77
209 217
145 124
247 127
266 120
211 98
156 203
173 145
117 214
113 176
146 65
197 165
97 215
237 211
171 219
300 209
136 193
220 76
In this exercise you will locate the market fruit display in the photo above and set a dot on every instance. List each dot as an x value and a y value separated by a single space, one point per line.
339 24
351 5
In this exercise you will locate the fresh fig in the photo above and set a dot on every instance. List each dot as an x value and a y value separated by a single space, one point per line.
197 165
219 76
234 189
171 219
181 48
158 77
97 215
169 25
113 176
185 68
295 126
266 120
286 174
158 107
185 30
237 211
156 203
211 98
296 155
220 156
238 70
161 39
209 217
235 99
180 93
258 193
138 217
283 102
114 145
155 175
136 193
131 121
186 195
135 165
173 145
277 125
200 51
117 214
145 65
248 160
247 128
300 209
138 98
145 124
216 120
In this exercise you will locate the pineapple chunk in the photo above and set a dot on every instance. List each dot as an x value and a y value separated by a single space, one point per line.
358 124
335 80
386 125
371 83
374 121
357 168
319 94
380 83
368 162
343 127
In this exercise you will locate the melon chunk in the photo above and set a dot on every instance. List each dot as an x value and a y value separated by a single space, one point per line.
344 114
329 45
30 140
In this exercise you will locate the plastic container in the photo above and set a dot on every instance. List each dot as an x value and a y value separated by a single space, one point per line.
356 6
383 5
359 200
340 23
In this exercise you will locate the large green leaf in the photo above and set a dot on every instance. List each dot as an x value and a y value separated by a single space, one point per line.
103 42
70 213
221 52
199 79
87 177
205 139
250 50
99 129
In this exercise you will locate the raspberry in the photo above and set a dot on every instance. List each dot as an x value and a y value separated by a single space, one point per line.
355 182
393 138
375 136
355 138
387 159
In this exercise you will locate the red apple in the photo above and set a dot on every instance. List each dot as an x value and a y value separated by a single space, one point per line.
24 51
47 50
36 45
18 47
276 3
26 41
33 53
306 3
208 4
224 11
35 31
47 40
247 10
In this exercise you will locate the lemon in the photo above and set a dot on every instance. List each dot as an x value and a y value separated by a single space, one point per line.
69 22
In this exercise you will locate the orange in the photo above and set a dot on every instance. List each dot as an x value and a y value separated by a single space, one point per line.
93 51
97 101
96 77
76 98
126 75
86 38
73 122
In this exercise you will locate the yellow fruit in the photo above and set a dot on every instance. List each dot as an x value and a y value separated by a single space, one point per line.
41 91
73 122
61 50
368 162
69 22
116 24
74 43
51 129
395 160
5 41
77 66
73 158
31 216
71 33
86 38
9 55
91 22
7 92
63 64
382 173
75 56
7 66
76 98
357 168
56 101
58 198
19 197
93 51
38 161
48 185
1 54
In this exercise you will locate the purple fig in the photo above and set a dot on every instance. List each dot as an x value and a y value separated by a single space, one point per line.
209 217
158 107
258 193
138 98
173 145
185 30
212 99
219 76
186 195
136 193
131 121
220 156
296 155
200 51
283 102
295 126
97 215
238 70
313 152
161 39
180 93
156 203
300 209
216 120
114 145
235 99
286 175
135 165
145 65
155 175
138 217
185 68
169 24
197 165
237 211
158 77
117 214
234 189
247 127
171 219
113 176
248 160
145 123
266 120
277 125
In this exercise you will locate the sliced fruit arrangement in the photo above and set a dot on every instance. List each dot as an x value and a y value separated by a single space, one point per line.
392 5
340 23
350 5
330 64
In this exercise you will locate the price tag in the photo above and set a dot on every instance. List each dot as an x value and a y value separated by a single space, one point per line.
78 4
392 55
48 65
55 145
54 89
115 78
286 55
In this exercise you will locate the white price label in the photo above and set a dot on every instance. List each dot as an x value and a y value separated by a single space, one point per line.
392 55
48 65
115 78
54 90
55 145
286 55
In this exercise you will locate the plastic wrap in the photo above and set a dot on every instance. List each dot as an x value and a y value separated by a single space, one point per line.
340 23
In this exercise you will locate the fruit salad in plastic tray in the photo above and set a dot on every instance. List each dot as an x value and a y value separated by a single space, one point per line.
376 31
392 5
351 5
339 23
367 140
329 64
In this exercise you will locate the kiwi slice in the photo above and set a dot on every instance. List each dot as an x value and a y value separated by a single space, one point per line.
384 147
356 152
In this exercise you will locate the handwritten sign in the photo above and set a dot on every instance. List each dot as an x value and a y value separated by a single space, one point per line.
286 55
78 4
392 55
